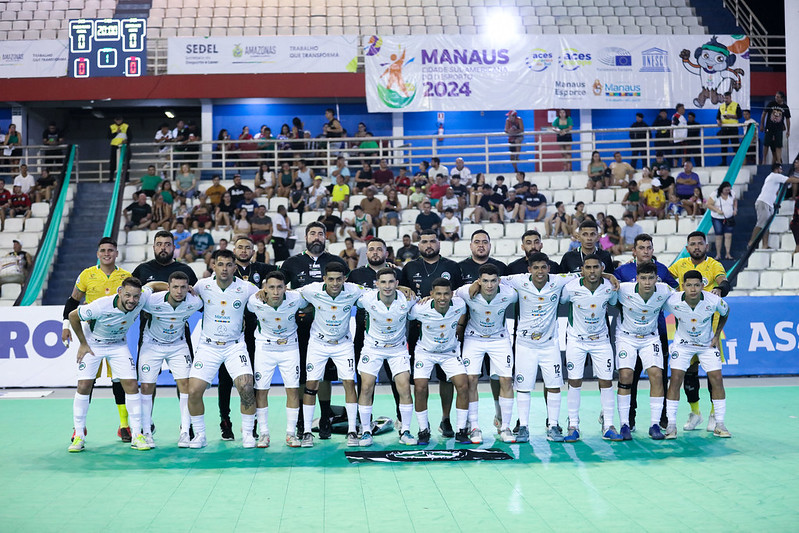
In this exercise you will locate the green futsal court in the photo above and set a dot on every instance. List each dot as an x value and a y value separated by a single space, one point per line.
696 483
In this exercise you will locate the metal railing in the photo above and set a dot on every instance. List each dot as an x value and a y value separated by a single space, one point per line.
36 157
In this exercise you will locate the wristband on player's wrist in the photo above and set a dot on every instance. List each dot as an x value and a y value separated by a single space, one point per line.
67 324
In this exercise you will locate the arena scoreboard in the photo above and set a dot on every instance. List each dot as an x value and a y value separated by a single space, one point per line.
107 47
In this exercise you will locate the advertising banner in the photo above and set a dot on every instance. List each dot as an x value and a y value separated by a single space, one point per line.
477 72
34 59
262 55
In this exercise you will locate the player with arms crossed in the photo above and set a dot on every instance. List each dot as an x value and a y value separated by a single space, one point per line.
107 321
637 337
276 346
487 334
587 334
384 340
222 342
693 311
165 340
441 319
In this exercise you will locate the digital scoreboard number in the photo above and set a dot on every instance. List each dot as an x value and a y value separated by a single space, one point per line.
107 47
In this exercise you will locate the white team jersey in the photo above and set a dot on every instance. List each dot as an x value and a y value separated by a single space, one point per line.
107 324
166 323
588 310
438 331
223 316
385 326
277 325
487 318
695 326
639 317
538 310
331 320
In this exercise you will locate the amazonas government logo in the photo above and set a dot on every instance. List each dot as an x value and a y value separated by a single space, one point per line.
392 89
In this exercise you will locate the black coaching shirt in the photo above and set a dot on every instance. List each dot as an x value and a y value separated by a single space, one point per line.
302 269
152 270
255 272
572 261
470 269
367 276
418 275
520 266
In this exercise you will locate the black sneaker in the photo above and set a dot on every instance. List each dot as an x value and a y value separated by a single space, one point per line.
152 429
124 434
423 439
227 429
325 428
462 437
445 428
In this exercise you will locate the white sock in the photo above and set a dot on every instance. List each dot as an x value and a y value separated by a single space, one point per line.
80 406
185 418
655 409
624 408
365 414
292 415
352 413
462 415
720 406
553 408
473 407
523 407
506 407
307 417
247 425
497 409
608 404
133 405
406 411
146 413
262 414
573 402
421 419
671 411
199 424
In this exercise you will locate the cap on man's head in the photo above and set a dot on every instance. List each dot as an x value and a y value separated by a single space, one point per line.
511 113
656 182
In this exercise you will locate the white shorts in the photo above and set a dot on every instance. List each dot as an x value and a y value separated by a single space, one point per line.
450 362
372 360
681 355
530 355
286 357
208 357
342 355
153 354
117 357
499 352
601 357
629 347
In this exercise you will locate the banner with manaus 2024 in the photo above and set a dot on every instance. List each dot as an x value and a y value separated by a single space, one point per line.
476 72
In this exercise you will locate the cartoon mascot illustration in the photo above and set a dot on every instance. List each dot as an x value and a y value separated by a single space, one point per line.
714 67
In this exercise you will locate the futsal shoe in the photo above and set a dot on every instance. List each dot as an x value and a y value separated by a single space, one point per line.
124 434
184 440
353 440
671 432
612 435
366 440
497 423
523 435
227 429
711 423
325 428
445 428
150 440
721 431
462 437
292 441
307 440
139 443
555 434
693 421
506 435
626 433
74 433
247 441
263 440
78 445
655 433
198 441
573 435
408 439
423 439
476 436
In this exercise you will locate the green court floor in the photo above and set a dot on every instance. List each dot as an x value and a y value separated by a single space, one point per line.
696 483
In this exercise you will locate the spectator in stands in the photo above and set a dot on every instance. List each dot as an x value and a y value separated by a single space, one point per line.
629 232
198 246
632 200
361 132
247 150
779 121
241 225
535 204
283 145
558 224
363 177
25 180
423 171
281 231
340 196
248 204
659 163
265 182
265 142
162 214
663 133
44 186
764 205
331 222
514 128
638 138
477 189
383 177
317 194
119 135
260 225
514 211
52 137
285 180
361 226
500 187
490 206
237 190
417 198
201 216
180 234
723 206
620 172
611 236
587 237
679 134
685 183
12 145
181 212
795 174
402 182
149 182
261 254
303 173
138 214
339 169
23 259
349 253
450 226
167 192
14 265
297 198
163 136
436 169
794 226
596 172
449 201
20 204
368 147
460 169
437 190
215 192
333 128
408 251
579 214
192 143
667 183
654 201
391 209
426 220
186 182
727 117
563 125
371 205
459 190
223 149
693 142
225 212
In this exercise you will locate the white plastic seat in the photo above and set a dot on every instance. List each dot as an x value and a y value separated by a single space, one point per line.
136 237
770 280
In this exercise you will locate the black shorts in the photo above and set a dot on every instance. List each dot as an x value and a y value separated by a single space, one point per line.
567 138
772 139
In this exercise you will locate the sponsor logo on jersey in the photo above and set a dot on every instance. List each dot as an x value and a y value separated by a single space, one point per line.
145 368
622 354
674 355
258 376
419 364
519 378
570 366
309 367
82 366
365 359
198 364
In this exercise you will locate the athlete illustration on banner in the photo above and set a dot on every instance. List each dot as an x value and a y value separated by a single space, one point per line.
713 65
392 88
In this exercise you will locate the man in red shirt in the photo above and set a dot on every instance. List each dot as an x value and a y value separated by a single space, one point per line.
5 203
438 189
383 177
20 203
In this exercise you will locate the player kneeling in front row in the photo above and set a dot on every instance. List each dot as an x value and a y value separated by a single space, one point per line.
384 339
103 337
164 339
693 311
276 346
637 337
440 320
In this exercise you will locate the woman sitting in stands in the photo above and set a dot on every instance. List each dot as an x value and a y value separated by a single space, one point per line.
297 198
349 253
265 181
596 172
247 150
162 214
225 212
285 180
391 209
